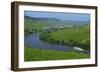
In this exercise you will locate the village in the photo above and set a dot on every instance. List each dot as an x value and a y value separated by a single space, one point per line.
55 27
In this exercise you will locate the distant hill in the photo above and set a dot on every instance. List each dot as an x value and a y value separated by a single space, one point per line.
40 19
55 21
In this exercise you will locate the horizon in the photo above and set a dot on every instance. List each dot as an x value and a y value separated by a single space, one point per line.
59 15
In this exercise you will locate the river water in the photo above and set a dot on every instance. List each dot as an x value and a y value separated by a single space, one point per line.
33 41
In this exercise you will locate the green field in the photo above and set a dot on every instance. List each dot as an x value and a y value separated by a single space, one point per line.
33 54
76 36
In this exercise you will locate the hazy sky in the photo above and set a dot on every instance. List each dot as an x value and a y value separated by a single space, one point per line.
58 15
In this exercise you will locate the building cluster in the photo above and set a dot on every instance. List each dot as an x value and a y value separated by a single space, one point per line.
57 27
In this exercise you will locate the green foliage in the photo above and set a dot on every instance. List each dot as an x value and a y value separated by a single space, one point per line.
33 54
30 26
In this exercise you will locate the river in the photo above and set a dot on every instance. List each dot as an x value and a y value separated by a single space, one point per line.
33 41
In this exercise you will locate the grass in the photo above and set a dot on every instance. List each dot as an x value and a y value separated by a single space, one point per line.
78 34
33 54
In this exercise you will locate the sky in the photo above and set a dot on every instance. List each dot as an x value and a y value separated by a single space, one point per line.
58 15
